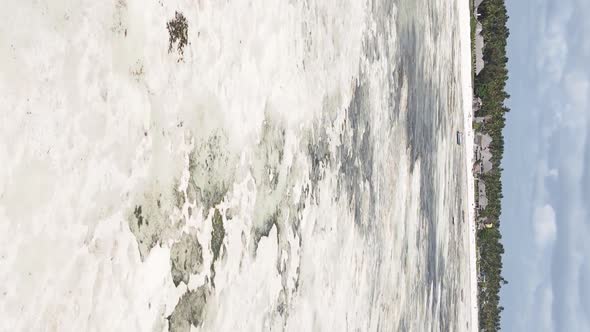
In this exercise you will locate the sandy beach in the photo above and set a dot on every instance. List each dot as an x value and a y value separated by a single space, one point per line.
464 26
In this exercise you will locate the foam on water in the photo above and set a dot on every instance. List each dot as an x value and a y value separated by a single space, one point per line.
291 167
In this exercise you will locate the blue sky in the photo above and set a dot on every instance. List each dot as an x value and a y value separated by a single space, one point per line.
546 180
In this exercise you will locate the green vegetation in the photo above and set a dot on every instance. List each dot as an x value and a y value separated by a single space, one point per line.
490 86
478 127
473 30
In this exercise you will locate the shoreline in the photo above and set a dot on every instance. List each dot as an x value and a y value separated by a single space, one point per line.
467 94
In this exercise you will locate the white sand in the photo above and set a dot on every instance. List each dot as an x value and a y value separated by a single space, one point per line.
464 24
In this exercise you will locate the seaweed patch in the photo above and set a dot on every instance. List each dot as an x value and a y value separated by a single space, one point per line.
189 311
217 235
152 218
186 257
211 168
178 34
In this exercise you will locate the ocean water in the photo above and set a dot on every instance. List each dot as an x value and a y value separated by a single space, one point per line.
232 166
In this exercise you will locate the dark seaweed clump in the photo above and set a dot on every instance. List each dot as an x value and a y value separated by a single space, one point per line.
178 31
138 216
217 234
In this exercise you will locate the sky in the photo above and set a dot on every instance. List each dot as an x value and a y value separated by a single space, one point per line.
545 219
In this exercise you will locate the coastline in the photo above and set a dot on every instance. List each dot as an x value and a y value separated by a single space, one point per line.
467 94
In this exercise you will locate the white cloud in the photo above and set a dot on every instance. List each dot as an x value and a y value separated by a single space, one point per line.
548 282
583 7
545 309
576 87
544 225
553 48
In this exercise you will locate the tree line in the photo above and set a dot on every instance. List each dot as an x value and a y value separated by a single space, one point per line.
490 86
